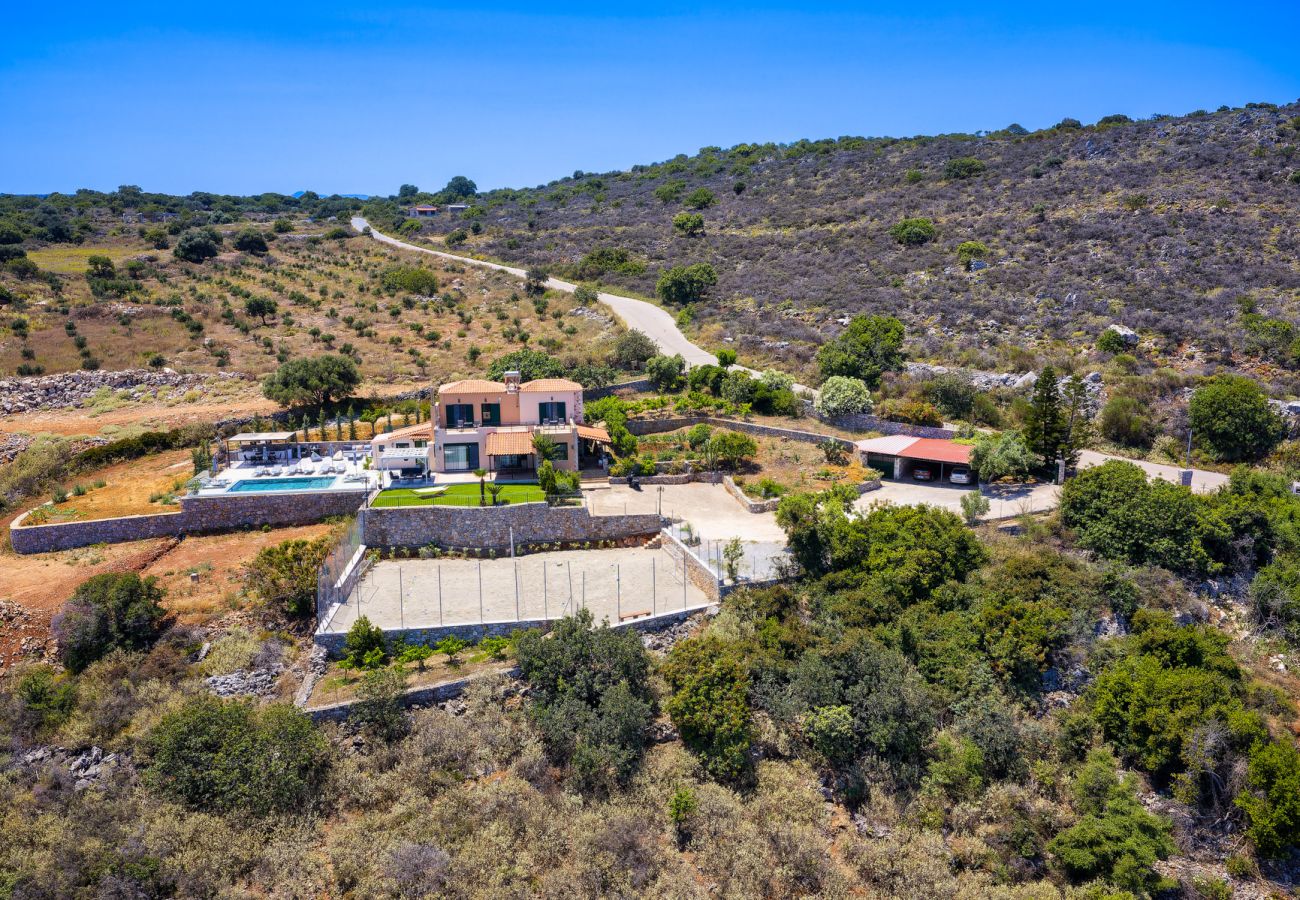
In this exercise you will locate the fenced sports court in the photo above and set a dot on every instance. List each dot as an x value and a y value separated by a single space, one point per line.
617 585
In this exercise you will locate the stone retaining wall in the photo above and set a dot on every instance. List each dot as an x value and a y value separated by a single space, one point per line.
673 423
699 574
490 527
640 384
864 422
196 516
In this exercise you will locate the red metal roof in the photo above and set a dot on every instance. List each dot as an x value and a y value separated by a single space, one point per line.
935 450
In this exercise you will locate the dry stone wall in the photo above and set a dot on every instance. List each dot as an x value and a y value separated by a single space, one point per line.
491 527
196 516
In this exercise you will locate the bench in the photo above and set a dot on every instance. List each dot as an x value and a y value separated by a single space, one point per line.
635 615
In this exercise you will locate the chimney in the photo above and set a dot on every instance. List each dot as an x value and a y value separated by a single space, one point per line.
512 382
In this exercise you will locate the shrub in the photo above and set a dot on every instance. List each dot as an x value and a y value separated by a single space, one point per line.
108 611
379 703
631 350
726 358
913 232
952 394
974 506
287 574
732 448
913 412
250 240
686 284
229 756
841 395
1231 417
665 372
969 251
530 364
698 435
198 244
1001 456
365 645
868 347
688 224
710 703
1272 799
1111 341
410 280
963 167
700 198
1124 421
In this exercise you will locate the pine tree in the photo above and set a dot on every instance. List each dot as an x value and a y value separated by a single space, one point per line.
1044 427
352 424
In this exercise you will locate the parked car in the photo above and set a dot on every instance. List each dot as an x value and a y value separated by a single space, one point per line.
960 475
922 473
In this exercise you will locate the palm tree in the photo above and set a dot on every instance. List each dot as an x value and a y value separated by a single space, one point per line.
481 474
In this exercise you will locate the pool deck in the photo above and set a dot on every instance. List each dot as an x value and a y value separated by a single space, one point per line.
345 475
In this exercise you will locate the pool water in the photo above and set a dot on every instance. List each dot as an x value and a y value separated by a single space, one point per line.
265 485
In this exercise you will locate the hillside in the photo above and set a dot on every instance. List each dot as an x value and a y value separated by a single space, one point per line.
1161 224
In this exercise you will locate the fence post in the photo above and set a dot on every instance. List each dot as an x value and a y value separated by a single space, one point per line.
516 565
618 588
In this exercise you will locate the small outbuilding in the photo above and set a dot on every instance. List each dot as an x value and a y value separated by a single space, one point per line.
902 456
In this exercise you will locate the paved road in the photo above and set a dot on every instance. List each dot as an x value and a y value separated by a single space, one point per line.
1203 482
656 323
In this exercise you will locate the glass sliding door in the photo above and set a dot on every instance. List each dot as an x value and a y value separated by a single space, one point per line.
459 457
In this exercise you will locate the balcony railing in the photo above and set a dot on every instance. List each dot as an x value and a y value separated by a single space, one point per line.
506 426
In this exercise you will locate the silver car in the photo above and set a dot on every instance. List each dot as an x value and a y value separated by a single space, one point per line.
960 475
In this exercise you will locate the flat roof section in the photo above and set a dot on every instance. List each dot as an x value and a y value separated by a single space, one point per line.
248 437
892 445
936 450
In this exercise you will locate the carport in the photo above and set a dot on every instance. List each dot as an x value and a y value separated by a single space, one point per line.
896 455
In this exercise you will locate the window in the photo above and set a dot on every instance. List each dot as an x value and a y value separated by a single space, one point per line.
491 414
551 412
460 415
460 457
561 450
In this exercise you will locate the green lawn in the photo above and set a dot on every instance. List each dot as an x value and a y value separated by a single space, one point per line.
458 495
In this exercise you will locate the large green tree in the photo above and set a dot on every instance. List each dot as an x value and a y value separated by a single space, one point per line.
113 610
1044 429
314 380
1232 419
686 284
868 347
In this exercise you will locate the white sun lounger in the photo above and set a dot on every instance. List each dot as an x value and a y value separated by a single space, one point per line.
429 491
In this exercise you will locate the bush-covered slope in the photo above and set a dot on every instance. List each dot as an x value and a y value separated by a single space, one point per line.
1161 224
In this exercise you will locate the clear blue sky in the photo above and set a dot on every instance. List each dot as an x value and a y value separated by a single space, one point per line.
280 96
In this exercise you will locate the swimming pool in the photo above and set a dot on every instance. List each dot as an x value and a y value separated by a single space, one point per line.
266 485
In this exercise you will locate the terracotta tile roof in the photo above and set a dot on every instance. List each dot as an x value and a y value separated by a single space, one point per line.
935 450
541 385
424 428
472 386
592 433
500 443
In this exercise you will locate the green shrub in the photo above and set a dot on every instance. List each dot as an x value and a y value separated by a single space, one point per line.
963 167
1272 798
913 232
1231 417
365 645
710 703
227 756
287 574
108 611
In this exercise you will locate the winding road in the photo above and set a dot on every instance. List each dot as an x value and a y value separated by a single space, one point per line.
656 323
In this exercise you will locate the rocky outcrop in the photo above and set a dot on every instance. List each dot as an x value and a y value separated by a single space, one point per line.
76 389
246 682
86 768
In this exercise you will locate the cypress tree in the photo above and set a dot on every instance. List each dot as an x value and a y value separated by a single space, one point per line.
1044 427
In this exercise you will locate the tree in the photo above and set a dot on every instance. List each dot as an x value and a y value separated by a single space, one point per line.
841 395
974 506
1076 424
250 240
631 350
197 244
913 232
732 448
228 755
530 364
451 647
1001 456
1044 429
379 703
700 198
710 703
688 224
407 191
726 358
286 574
535 281
868 347
313 380
665 372
260 307
365 645
1231 417
113 610
969 251
545 448
686 284
100 267
459 188
963 167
